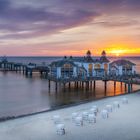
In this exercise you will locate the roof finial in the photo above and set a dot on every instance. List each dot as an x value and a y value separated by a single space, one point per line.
88 53
65 57
103 53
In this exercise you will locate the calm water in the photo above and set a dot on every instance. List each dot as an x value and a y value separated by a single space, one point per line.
21 95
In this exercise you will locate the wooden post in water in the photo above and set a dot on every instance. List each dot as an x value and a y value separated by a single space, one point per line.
41 73
31 72
49 84
94 85
129 88
69 85
125 87
105 84
114 87
82 84
75 84
91 85
56 86
86 83
26 72
121 84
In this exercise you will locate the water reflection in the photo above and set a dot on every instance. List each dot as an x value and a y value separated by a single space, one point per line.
21 95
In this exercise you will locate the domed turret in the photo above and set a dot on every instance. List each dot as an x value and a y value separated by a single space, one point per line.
65 57
103 57
88 57
88 53
103 53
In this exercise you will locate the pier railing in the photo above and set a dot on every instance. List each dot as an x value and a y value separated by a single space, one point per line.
129 79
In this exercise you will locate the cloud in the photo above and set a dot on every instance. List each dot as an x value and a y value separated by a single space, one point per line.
25 19
118 23
40 20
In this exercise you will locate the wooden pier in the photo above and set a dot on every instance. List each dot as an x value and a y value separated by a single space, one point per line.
26 69
87 82
90 82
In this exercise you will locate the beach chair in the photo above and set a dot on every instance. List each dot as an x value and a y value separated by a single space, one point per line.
109 108
96 108
124 100
56 119
78 121
104 114
91 118
93 111
74 115
60 129
116 104
85 116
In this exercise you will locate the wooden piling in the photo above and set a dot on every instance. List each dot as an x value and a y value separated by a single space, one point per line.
105 86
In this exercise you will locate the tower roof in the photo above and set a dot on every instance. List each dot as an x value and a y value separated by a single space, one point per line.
103 53
103 58
122 62
88 58
88 53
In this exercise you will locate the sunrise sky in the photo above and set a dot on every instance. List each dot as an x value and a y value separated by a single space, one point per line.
69 27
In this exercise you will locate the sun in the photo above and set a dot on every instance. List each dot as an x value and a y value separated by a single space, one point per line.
118 49
117 54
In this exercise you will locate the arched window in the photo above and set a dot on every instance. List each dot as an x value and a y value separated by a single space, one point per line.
67 70
90 68
97 66
105 67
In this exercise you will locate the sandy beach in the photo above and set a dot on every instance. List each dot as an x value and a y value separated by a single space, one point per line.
122 124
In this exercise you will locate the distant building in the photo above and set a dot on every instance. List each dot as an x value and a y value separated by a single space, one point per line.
122 67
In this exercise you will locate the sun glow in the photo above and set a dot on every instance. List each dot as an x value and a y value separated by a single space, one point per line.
117 52
119 49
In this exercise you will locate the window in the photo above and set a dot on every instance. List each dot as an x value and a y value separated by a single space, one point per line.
97 66
105 67
67 70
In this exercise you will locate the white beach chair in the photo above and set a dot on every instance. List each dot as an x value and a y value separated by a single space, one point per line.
56 119
60 129
78 121
116 104
109 108
104 114
91 118
74 115
96 108
85 116
124 100
93 111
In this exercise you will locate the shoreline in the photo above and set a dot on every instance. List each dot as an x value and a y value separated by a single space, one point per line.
7 118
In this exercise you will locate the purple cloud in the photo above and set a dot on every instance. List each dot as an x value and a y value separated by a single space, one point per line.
53 16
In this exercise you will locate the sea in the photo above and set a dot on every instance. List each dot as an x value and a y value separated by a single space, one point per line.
21 95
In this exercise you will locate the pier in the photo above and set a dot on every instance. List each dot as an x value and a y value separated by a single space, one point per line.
26 69
87 82
90 82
